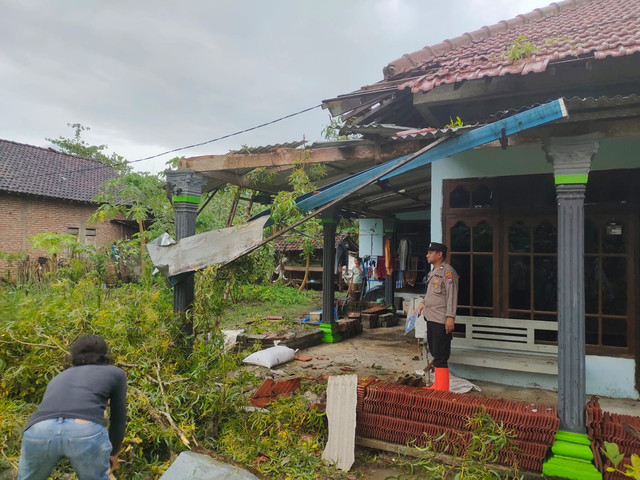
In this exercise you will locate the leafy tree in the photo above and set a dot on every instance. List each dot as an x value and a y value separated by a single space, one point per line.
285 211
77 146
139 197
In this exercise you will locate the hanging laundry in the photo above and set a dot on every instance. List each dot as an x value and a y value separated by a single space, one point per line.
381 271
403 253
412 273
388 259
399 279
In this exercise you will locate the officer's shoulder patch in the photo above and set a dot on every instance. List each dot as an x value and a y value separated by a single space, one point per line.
449 277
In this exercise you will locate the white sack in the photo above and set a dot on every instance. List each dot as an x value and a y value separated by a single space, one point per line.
270 357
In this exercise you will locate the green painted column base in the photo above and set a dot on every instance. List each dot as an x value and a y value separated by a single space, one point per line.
572 458
330 332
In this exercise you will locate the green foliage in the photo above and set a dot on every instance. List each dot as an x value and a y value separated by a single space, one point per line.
56 244
553 41
139 197
136 196
175 400
287 438
454 123
332 131
216 212
261 175
488 439
11 259
612 452
77 146
520 48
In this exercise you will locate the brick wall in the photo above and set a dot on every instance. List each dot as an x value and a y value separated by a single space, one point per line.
22 216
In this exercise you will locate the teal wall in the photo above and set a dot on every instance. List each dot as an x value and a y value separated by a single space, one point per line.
606 376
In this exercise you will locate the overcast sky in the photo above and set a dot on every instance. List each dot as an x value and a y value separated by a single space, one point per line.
149 76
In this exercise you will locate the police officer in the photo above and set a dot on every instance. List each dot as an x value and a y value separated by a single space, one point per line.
439 310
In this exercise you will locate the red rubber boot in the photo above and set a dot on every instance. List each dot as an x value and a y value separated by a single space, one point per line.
441 381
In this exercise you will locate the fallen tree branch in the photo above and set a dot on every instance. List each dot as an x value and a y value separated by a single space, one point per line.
44 345
158 415
181 434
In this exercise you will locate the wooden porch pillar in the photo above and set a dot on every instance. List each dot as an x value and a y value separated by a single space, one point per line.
571 158
328 326
186 186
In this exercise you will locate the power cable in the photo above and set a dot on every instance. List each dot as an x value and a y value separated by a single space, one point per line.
227 136
97 167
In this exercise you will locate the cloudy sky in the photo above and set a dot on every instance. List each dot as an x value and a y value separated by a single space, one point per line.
149 76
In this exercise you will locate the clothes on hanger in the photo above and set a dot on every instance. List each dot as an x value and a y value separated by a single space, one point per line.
404 249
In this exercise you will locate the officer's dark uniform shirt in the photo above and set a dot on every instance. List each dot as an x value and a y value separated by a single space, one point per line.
441 299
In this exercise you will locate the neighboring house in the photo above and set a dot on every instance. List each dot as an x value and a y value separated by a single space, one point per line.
291 261
497 207
42 190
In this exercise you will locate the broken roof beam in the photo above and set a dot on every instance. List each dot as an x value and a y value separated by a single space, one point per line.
289 156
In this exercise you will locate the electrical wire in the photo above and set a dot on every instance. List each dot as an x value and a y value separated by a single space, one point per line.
227 136
97 167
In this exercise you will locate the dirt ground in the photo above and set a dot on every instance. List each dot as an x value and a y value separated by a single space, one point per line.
387 354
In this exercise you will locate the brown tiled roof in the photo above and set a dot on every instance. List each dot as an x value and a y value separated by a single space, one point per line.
561 31
45 172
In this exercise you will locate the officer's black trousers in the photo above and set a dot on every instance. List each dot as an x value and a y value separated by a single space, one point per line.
439 342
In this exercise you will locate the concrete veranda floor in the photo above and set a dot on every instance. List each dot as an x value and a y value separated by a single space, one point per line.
387 354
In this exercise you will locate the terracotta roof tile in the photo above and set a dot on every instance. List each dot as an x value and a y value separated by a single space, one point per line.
45 172
562 30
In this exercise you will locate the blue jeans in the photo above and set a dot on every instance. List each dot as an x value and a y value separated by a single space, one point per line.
86 444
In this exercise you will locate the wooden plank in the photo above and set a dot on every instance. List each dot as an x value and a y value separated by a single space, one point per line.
482 329
504 338
288 268
501 322
375 310
505 334
521 362
287 157
487 345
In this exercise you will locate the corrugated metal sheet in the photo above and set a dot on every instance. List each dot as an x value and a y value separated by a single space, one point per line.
216 247
581 104
269 148
396 132
473 138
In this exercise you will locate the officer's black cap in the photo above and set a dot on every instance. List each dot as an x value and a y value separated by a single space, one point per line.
437 247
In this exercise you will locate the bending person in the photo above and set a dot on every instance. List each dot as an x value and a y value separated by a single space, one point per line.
439 310
70 421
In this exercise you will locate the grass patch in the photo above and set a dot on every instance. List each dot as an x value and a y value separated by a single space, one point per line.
254 303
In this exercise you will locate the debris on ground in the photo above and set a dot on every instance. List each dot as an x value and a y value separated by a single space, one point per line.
270 390
196 466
